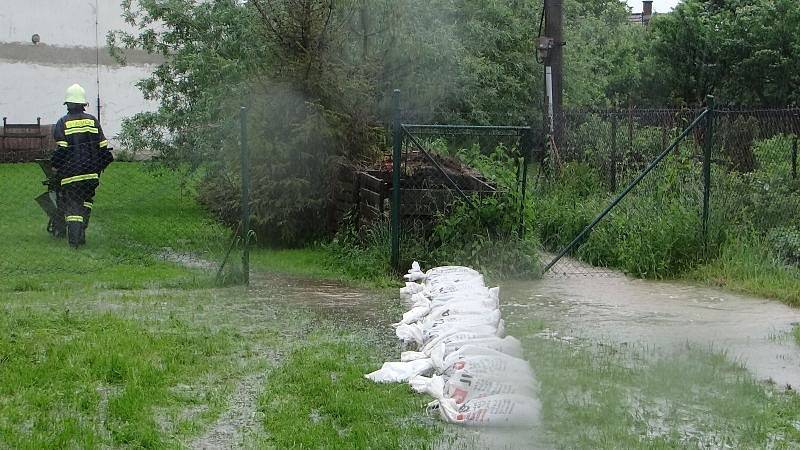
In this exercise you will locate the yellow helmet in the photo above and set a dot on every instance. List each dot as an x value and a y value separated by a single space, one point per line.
76 94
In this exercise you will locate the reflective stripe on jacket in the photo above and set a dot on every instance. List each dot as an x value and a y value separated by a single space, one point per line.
80 140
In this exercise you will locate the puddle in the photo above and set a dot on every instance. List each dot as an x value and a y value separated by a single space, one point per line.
662 315
329 298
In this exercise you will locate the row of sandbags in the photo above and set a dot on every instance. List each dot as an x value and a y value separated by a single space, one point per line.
462 357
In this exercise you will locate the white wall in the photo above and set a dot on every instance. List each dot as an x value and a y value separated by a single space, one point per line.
31 87
59 22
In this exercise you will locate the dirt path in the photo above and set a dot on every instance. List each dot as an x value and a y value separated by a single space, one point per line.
239 419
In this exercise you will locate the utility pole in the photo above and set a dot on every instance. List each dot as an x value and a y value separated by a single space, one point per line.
551 46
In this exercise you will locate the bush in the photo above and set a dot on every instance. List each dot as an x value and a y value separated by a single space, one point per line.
486 237
785 242
654 232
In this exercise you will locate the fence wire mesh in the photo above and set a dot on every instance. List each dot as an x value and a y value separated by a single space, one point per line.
657 229
443 165
132 224
594 158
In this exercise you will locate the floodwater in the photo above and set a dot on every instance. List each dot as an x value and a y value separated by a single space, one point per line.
612 309
664 316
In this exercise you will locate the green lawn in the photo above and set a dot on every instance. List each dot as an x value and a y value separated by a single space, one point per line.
139 216
154 369
118 345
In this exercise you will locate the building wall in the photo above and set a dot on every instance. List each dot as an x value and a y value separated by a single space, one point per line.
33 78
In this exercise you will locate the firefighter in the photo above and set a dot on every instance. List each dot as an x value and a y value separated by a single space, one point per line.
81 154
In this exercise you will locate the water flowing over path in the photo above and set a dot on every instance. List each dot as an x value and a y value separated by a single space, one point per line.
664 315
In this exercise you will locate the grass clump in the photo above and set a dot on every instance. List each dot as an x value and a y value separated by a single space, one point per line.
95 379
319 398
746 264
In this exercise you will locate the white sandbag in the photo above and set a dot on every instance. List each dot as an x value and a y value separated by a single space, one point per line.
422 308
415 273
455 341
419 309
456 289
452 275
480 361
460 308
418 334
448 316
410 289
494 410
462 387
399 371
489 298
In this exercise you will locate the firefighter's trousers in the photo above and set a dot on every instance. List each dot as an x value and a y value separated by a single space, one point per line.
76 201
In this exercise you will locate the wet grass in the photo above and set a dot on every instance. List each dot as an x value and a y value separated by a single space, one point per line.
317 262
320 398
747 267
598 395
94 369
159 369
139 216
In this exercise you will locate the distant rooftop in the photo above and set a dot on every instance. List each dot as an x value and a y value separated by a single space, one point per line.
643 18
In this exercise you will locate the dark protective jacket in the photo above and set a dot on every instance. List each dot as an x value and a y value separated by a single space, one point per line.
82 149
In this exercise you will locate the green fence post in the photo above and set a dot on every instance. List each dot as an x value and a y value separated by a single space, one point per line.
707 148
245 161
614 152
794 158
397 149
527 150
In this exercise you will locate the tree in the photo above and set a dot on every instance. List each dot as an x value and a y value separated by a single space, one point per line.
746 52
316 76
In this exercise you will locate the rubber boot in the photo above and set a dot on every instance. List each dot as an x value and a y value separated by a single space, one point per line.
57 228
75 234
87 213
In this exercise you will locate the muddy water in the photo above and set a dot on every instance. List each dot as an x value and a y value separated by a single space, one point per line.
664 316
330 299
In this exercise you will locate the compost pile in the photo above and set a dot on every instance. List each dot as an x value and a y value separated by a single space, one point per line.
419 171
462 357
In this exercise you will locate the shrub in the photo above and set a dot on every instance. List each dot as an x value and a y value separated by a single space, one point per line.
785 242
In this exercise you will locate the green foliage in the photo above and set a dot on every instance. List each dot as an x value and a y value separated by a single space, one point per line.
486 236
492 224
653 232
786 244
736 50
605 59
317 83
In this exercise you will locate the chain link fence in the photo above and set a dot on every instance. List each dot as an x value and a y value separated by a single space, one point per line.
70 221
657 226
